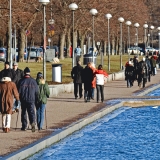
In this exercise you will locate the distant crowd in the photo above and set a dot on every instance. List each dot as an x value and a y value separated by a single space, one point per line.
18 88
141 71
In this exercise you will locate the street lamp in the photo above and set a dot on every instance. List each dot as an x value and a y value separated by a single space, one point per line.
93 13
137 25
128 23
121 20
145 27
73 7
49 41
108 16
44 3
159 37
152 28
10 31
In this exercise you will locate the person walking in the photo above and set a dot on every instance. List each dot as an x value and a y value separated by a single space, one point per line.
8 91
18 72
142 72
153 66
41 100
28 91
100 74
76 75
94 80
87 78
19 75
129 74
8 72
78 53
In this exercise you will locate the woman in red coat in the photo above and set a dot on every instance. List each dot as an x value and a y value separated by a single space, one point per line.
94 80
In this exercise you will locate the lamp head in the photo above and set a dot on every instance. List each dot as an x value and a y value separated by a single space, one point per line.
73 6
93 12
145 26
128 23
158 28
136 25
121 19
151 27
108 16
44 2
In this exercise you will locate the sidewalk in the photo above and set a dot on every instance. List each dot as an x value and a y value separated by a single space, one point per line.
63 110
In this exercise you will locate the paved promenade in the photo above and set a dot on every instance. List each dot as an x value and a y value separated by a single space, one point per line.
63 110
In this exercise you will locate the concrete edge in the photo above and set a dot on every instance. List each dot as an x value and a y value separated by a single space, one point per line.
58 135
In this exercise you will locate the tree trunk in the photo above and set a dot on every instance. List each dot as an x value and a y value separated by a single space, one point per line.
105 47
113 45
62 41
22 45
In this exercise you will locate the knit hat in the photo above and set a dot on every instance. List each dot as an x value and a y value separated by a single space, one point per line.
39 75
7 62
26 70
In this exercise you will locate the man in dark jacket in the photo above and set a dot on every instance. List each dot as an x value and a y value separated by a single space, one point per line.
87 77
28 91
76 74
18 72
8 72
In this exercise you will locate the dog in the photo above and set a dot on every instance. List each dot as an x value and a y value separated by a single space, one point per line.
38 59
55 60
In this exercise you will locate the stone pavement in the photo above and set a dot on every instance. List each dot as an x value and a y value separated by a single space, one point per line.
63 110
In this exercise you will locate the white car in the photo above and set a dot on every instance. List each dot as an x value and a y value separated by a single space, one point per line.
150 49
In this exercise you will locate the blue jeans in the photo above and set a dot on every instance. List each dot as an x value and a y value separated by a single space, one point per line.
100 90
92 92
40 115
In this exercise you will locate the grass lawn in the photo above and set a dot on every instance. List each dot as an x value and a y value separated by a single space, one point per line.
67 66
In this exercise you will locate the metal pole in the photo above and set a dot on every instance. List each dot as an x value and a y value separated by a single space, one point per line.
15 41
73 41
152 40
93 41
159 42
10 29
44 54
128 43
137 40
121 46
145 40
108 48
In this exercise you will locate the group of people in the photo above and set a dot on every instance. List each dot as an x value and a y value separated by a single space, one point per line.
140 71
91 78
18 88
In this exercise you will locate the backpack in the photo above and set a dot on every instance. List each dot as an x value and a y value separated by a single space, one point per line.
41 93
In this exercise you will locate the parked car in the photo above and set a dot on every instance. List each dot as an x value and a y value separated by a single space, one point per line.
40 51
33 52
136 50
3 54
150 49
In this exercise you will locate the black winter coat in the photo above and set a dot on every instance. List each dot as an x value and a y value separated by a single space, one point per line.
8 73
76 74
19 75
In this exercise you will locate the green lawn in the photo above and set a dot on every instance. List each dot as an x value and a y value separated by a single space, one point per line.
67 66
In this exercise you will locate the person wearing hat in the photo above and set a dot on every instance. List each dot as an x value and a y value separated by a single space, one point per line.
28 91
8 72
18 72
129 74
41 101
8 91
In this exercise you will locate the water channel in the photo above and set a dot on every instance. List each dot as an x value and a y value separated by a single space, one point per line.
125 134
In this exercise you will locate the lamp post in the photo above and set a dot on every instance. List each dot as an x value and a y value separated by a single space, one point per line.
152 28
145 27
49 41
44 3
128 23
159 37
121 20
137 25
73 7
108 16
10 31
93 12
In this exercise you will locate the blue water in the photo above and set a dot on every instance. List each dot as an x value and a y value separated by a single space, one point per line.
154 93
125 134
